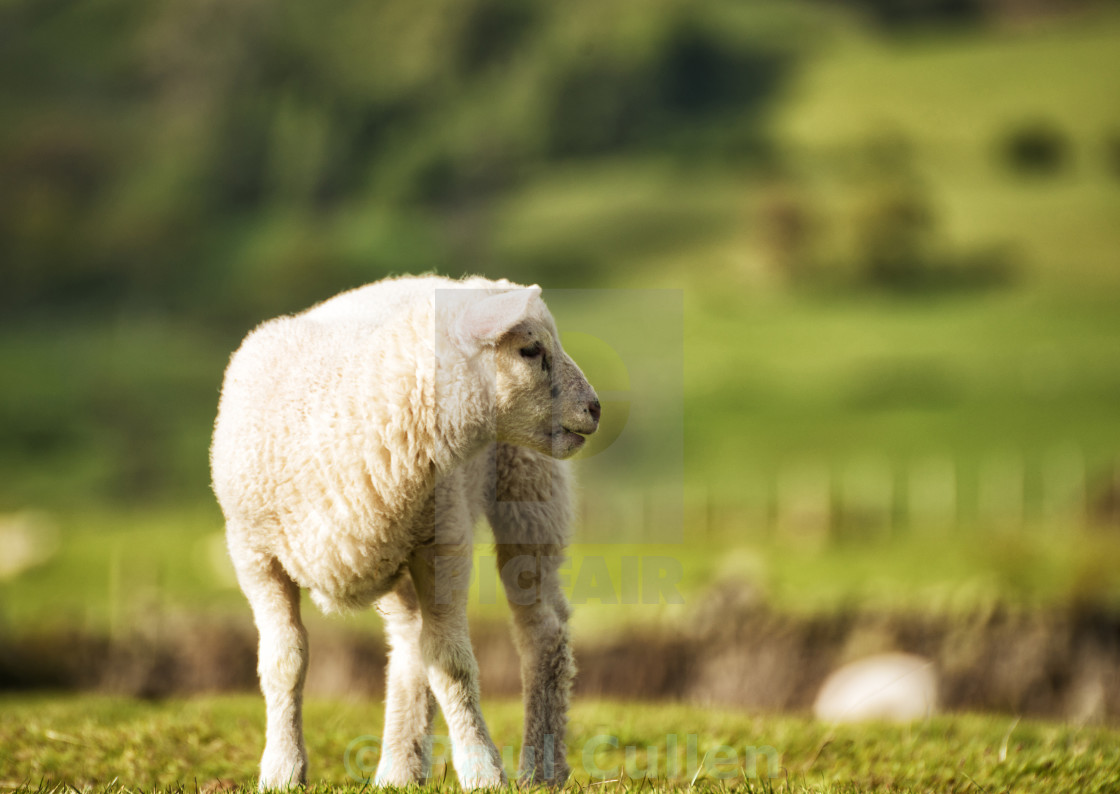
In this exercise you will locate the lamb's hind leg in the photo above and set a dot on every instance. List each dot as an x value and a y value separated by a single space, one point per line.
438 572
281 664
530 519
406 747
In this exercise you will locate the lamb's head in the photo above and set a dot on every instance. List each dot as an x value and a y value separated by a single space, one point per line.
541 398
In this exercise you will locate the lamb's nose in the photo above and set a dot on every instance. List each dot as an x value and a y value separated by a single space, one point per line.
595 409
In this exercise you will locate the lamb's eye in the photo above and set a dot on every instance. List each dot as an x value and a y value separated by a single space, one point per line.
532 351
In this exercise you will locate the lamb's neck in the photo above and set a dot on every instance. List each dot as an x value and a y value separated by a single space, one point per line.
453 411
464 427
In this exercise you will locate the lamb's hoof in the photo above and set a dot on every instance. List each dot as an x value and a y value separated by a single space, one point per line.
387 775
279 783
480 780
281 772
535 777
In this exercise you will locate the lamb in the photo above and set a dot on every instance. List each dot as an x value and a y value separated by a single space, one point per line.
355 446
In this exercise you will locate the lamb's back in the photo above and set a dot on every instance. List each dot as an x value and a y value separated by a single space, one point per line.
323 447
383 302
375 304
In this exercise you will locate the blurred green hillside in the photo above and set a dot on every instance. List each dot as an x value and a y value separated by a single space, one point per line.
236 160
226 162
894 223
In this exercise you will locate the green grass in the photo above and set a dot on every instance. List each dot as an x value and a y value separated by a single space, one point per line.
94 743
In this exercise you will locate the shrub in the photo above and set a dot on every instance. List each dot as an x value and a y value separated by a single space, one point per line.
1036 148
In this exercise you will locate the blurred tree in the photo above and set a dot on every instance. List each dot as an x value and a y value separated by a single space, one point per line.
896 231
154 157
491 31
1038 148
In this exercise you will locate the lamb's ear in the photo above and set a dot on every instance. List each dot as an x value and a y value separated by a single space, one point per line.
486 320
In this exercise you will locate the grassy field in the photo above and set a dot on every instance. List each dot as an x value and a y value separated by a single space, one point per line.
97 744
1012 390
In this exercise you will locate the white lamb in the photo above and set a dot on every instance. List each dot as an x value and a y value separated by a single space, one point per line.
355 446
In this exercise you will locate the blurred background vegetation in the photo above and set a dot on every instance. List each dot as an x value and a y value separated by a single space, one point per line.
895 224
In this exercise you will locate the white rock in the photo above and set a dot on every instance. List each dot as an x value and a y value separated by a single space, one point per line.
896 687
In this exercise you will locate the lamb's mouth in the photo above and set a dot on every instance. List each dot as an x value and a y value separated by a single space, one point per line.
571 438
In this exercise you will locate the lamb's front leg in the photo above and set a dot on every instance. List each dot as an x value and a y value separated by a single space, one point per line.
540 615
440 574
406 747
530 516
